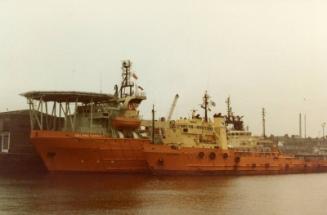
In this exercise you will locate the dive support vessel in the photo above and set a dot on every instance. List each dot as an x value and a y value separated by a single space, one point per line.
90 132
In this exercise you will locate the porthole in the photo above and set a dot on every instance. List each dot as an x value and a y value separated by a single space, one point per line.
212 155
201 155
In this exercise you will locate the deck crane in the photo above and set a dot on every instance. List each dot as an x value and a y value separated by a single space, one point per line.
172 108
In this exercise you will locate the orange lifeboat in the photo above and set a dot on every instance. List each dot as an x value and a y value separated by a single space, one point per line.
125 123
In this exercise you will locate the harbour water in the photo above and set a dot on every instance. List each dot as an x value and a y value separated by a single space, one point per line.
139 194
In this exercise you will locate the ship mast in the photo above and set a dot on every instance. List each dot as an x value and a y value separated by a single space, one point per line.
153 123
126 88
236 121
206 105
229 117
229 108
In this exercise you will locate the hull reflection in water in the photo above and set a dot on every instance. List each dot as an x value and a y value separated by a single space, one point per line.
146 194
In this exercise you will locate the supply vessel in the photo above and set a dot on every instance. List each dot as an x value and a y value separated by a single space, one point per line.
199 146
97 132
90 132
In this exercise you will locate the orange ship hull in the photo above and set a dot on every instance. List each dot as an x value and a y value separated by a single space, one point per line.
168 160
68 151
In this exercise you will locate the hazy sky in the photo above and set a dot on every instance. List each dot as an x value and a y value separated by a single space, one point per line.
262 53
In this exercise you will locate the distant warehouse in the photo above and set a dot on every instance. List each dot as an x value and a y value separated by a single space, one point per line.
16 152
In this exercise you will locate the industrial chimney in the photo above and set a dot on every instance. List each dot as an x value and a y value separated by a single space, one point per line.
263 122
300 125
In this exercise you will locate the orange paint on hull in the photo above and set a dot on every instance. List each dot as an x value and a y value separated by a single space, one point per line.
75 152
183 161
68 151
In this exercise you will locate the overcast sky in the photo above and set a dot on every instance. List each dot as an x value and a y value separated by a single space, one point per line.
262 53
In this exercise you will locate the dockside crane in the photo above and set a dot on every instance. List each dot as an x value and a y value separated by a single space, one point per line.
172 108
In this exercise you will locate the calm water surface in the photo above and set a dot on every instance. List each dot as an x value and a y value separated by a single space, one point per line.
138 194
